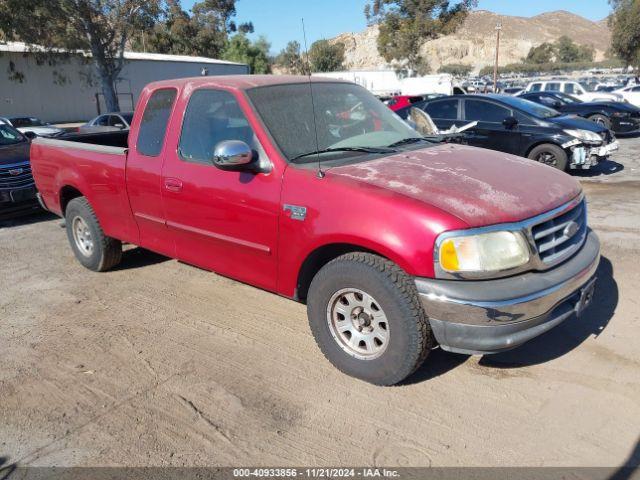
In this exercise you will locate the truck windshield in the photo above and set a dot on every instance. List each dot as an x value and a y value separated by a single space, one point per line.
9 136
348 119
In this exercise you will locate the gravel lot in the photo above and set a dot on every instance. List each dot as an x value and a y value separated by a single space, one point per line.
159 363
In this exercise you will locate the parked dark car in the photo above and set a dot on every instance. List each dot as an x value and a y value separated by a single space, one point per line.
621 117
17 189
521 127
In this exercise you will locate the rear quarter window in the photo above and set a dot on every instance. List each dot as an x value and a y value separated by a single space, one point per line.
153 125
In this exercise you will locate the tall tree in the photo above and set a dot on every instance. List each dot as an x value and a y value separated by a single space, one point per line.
101 27
543 53
325 56
203 32
255 54
406 24
292 60
625 27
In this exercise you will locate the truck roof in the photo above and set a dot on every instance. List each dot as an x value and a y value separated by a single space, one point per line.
241 82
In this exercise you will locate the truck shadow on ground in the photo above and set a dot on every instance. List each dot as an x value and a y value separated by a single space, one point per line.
569 334
6 468
137 257
629 469
19 221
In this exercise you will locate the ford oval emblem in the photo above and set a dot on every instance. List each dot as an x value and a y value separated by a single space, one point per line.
15 171
571 229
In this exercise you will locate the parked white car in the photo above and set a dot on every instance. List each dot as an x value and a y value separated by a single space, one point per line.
32 124
575 89
631 94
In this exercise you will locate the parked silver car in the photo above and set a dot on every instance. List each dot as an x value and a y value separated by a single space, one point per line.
33 125
108 122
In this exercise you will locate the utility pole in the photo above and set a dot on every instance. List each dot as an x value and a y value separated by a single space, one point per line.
495 67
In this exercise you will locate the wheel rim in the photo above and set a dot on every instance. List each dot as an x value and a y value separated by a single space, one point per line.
600 121
358 324
82 236
548 158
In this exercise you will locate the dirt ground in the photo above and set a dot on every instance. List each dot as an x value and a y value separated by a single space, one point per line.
158 363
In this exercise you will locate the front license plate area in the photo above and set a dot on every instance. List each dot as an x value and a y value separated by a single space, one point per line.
586 295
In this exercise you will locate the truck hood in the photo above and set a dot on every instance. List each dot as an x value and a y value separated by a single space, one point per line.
481 187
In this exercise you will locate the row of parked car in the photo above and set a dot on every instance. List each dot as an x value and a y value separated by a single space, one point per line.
551 127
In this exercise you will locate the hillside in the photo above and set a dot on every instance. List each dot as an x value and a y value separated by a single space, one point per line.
474 43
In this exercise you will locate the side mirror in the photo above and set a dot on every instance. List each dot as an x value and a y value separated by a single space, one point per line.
557 104
30 135
510 122
233 155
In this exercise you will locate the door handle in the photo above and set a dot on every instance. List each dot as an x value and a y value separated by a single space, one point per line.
173 184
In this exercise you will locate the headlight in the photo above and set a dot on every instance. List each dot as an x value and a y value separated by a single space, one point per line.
483 253
584 135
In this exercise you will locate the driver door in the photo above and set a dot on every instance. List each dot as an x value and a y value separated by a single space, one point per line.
223 221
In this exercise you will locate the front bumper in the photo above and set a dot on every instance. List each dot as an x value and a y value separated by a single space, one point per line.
490 316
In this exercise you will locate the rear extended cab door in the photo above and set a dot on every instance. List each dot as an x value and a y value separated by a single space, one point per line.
144 168
225 221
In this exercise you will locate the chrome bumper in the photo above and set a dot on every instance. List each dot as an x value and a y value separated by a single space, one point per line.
490 316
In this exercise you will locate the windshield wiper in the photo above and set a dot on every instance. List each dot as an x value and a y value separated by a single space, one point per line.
345 149
407 141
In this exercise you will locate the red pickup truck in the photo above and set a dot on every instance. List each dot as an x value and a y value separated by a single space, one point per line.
396 244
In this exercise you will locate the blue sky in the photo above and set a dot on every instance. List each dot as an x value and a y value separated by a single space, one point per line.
279 20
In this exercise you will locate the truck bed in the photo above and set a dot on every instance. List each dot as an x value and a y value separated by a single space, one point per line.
92 165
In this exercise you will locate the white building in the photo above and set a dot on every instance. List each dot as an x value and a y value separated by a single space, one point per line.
70 90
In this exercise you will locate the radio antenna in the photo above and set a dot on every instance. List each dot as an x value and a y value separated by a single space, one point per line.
313 105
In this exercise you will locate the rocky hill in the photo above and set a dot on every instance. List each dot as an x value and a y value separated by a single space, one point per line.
474 43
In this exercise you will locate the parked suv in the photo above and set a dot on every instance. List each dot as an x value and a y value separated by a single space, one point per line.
573 88
520 127
17 189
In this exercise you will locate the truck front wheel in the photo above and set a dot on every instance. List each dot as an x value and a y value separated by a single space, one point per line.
367 319
91 246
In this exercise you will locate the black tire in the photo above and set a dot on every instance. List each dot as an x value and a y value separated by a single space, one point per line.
105 252
601 120
550 154
409 334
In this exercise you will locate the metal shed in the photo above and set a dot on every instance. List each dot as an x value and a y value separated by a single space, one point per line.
70 91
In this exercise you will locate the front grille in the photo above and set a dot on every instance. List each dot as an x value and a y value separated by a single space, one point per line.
15 177
558 238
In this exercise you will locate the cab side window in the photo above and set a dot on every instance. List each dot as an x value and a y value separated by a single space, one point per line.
212 116
536 87
153 125
569 88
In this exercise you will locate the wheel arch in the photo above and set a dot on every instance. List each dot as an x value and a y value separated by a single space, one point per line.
542 142
318 258
67 193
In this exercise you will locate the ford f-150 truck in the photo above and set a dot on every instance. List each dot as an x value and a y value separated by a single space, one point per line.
316 191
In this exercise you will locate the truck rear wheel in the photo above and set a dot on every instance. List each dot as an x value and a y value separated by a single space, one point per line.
551 155
91 246
367 319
